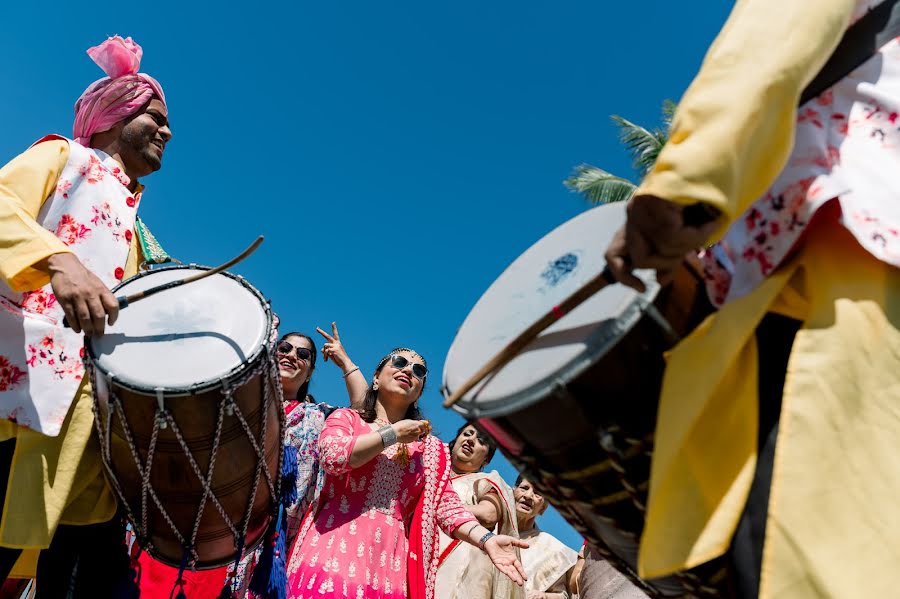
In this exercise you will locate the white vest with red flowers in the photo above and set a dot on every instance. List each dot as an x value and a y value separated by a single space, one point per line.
93 212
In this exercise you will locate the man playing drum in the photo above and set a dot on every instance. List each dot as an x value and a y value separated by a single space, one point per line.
69 232
778 422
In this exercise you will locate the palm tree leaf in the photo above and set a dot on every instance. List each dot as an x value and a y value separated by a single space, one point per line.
599 186
644 145
668 112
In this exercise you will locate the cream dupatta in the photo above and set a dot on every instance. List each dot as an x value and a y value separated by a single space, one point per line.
464 571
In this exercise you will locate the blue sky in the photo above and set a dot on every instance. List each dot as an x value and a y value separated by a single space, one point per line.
396 155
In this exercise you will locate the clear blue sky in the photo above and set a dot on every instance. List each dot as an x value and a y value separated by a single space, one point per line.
396 155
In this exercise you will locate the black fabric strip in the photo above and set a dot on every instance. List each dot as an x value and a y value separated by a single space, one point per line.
861 41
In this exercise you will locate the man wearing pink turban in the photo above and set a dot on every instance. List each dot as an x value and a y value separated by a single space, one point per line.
68 232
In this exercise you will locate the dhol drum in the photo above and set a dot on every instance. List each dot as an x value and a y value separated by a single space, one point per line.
576 410
188 411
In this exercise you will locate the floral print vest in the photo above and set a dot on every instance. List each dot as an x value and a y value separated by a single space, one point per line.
847 148
93 212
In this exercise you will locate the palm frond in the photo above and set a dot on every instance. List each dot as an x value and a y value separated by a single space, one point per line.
668 113
644 145
599 186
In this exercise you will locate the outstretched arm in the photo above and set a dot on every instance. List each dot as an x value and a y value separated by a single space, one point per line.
456 521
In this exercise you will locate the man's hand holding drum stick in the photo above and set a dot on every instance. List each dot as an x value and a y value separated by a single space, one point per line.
87 305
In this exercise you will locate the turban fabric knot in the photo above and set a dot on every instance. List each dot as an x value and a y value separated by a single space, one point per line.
119 95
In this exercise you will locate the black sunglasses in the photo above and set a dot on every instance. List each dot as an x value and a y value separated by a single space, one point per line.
304 353
400 362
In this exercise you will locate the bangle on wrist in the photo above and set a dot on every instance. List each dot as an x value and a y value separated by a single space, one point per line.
351 371
388 435
485 539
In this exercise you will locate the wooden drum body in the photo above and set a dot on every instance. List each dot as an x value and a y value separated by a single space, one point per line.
576 410
188 411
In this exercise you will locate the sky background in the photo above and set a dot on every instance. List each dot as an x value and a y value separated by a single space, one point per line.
397 156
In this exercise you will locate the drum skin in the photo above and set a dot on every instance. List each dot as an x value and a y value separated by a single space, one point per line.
173 479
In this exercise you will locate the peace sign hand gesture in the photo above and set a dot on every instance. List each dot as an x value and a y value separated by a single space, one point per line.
334 350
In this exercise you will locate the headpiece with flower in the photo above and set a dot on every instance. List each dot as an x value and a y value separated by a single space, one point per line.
117 96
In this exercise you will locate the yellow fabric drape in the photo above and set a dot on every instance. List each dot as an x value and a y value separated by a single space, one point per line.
833 520
53 480
734 127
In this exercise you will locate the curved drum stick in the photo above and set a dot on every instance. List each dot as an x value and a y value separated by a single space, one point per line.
694 215
514 347
126 300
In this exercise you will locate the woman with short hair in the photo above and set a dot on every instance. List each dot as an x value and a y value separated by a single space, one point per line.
464 572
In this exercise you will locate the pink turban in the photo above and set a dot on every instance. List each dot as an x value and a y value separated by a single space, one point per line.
125 91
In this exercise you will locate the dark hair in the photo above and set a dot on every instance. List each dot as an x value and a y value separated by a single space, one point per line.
519 479
367 412
491 444
303 391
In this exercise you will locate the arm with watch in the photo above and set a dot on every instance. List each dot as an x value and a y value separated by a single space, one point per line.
501 549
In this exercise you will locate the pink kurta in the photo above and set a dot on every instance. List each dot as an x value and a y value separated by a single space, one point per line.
355 542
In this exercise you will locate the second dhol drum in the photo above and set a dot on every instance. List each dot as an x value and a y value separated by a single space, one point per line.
576 410
188 411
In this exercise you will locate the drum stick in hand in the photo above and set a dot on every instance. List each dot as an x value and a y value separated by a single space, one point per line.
126 300
514 347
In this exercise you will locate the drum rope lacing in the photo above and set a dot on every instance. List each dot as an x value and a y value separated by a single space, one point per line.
163 419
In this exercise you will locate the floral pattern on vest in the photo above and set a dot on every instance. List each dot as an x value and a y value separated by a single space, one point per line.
93 213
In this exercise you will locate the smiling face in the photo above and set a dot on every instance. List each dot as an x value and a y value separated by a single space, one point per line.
295 371
529 504
469 452
399 384
143 139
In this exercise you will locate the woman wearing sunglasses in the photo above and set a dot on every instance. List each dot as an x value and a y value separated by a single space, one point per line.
373 532
304 418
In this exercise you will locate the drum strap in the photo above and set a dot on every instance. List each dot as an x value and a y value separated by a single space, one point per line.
861 42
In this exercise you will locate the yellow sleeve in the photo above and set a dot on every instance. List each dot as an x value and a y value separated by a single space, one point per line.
25 183
734 127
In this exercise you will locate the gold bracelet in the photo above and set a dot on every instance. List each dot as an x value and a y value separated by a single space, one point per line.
351 371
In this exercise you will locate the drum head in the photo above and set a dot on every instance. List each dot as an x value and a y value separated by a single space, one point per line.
183 337
539 279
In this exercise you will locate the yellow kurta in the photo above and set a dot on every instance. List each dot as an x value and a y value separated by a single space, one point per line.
53 480
833 517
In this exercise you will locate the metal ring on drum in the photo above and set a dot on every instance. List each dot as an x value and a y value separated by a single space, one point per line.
575 411
187 401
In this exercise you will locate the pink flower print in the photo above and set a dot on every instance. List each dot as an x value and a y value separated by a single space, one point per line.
92 171
811 116
39 301
892 118
50 355
752 219
63 187
121 176
70 231
10 374
826 99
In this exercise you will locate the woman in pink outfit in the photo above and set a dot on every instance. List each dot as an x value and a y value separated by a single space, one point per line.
374 530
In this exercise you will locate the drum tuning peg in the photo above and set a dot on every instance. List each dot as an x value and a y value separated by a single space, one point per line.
229 407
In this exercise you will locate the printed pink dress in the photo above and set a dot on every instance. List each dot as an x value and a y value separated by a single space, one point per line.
373 531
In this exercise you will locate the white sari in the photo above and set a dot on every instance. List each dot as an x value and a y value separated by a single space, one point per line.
546 561
464 571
